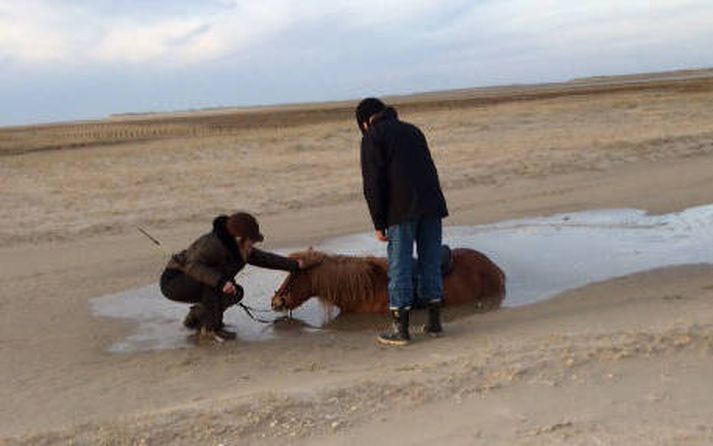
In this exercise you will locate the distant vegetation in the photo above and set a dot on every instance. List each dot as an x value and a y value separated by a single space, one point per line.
225 121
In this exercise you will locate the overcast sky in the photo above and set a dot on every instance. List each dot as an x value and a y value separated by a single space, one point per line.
65 60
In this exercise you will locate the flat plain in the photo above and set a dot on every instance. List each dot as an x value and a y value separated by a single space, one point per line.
620 362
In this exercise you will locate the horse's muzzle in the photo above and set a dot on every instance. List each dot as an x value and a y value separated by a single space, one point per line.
279 304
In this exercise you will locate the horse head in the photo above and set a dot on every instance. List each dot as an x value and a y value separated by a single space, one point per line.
297 286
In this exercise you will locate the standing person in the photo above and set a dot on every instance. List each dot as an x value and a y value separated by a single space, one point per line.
204 273
406 205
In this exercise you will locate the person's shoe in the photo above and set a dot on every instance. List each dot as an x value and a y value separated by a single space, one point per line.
192 321
218 335
433 327
226 335
399 335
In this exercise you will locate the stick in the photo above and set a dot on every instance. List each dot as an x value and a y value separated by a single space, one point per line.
149 236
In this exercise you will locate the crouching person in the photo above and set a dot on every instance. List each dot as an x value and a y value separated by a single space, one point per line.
204 273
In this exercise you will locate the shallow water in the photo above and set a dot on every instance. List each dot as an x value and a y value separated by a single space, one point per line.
541 257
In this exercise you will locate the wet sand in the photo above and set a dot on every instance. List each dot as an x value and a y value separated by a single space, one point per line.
624 361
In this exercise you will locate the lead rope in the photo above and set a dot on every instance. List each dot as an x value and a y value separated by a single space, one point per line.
249 311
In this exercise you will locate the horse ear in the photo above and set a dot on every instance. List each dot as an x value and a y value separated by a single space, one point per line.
312 259
310 249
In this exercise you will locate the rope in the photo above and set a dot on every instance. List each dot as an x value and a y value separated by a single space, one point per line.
249 311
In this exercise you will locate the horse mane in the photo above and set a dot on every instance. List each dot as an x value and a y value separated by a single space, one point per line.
343 280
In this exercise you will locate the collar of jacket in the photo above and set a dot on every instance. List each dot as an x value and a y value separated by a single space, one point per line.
220 230
385 114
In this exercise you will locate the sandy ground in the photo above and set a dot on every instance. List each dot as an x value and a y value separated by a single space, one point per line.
623 362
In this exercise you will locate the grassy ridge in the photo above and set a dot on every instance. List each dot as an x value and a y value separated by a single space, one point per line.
19 140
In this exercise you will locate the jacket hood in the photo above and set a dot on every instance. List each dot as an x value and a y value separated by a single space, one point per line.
387 113
221 231
219 223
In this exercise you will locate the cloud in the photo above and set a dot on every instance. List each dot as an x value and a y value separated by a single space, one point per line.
28 33
38 31
129 42
93 57
182 33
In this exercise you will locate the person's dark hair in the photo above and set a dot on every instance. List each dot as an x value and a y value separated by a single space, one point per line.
244 225
366 109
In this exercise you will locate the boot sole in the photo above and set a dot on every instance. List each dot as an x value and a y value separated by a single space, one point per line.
200 339
392 342
434 334
213 337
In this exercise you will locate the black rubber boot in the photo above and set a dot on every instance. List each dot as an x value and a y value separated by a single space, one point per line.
192 321
434 328
399 335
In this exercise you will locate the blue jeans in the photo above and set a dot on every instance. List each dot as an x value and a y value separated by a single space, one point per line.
427 234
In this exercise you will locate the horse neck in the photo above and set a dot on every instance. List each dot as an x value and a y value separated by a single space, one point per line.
342 285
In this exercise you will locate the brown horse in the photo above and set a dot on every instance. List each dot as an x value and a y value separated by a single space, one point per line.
359 284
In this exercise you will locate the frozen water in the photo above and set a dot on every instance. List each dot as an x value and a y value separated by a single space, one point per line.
541 257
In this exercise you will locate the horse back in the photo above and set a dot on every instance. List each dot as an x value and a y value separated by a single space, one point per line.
475 278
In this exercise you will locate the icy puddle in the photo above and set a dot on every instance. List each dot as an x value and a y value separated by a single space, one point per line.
541 257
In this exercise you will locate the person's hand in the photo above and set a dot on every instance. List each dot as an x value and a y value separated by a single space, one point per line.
301 263
229 288
381 236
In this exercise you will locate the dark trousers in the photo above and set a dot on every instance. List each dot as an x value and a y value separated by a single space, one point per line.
179 287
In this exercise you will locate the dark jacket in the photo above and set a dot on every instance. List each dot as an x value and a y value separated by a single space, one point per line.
214 258
400 179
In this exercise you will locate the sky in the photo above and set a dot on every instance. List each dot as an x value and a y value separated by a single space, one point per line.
63 60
